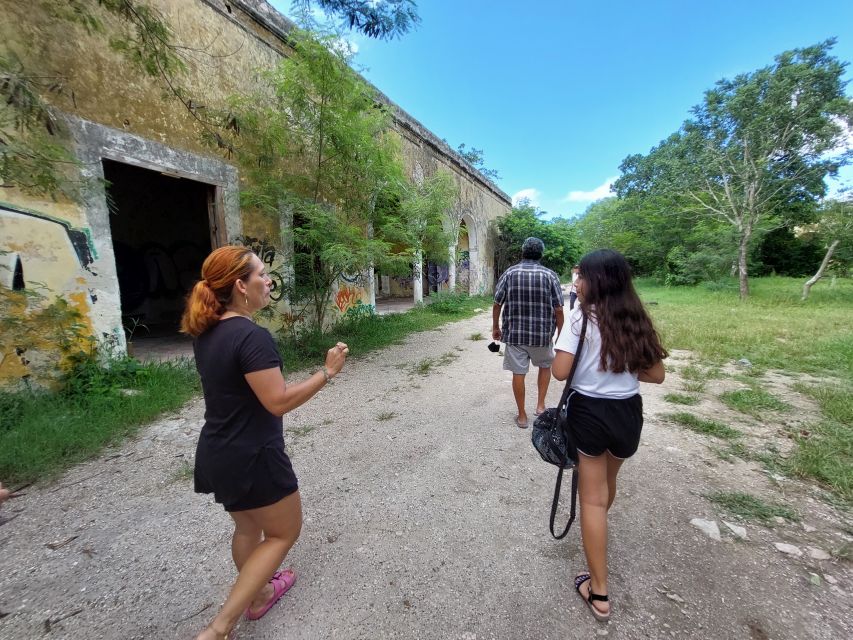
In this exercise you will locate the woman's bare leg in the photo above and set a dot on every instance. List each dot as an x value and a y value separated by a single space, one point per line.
594 497
247 536
281 523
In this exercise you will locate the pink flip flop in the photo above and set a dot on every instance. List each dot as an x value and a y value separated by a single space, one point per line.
281 582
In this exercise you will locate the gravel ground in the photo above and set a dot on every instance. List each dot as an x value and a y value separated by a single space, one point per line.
426 515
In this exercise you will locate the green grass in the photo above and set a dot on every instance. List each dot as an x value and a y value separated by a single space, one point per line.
692 372
825 451
748 507
476 336
693 386
705 427
773 329
753 401
386 415
43 433
299 432
681 398
370 333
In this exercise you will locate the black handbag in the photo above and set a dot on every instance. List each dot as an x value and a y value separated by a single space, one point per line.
553 440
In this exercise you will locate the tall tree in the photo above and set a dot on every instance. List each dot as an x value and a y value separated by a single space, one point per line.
755 146
317 154
419 226
562 244
382 19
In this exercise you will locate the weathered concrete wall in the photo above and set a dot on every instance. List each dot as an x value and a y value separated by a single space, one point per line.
113 111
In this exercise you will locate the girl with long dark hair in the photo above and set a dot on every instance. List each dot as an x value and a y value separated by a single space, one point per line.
621 349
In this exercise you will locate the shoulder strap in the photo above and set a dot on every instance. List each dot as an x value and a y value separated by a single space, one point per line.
559 481
575 360
557 499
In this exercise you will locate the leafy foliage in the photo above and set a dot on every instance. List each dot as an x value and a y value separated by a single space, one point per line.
755 152
475 158
316 150
29 319
33 153
385 19
562 244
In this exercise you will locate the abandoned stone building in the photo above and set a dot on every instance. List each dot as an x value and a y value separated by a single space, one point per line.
130 253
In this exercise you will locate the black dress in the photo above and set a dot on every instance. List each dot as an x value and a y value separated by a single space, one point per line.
240 457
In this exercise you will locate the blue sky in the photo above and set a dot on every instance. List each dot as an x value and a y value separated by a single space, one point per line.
557 92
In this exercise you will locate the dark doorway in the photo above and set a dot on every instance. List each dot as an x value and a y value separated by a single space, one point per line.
161 234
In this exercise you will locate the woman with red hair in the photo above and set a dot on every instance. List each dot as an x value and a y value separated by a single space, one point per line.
240 457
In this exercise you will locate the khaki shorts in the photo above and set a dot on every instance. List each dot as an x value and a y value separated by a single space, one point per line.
517 357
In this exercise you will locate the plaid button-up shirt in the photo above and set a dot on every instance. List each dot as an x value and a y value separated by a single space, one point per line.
529 293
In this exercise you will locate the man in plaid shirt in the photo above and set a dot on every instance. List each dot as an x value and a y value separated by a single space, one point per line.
533 299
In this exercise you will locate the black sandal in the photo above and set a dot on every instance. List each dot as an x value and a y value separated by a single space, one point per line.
598 615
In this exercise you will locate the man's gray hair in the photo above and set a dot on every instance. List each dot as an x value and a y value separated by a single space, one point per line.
532 248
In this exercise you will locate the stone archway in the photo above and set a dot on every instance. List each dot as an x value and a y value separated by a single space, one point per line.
468 255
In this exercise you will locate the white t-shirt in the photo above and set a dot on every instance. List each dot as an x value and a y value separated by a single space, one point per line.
589 380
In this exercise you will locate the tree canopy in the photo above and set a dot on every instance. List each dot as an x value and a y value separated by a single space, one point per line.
562 244
382 19
755 151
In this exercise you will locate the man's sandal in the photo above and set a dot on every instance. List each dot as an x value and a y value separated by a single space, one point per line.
597 614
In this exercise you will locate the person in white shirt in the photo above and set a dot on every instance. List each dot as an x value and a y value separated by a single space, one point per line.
621 348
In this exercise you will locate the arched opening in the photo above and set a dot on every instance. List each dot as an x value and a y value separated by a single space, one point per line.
468 256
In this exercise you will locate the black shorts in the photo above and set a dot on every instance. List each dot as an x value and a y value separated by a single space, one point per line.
605 424
239 486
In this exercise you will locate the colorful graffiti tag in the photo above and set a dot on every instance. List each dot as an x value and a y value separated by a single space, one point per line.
348 297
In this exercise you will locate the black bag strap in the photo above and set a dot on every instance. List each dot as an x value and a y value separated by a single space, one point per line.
557 499
558 484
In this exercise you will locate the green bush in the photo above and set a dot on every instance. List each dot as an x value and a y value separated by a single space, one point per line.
446 302
690 268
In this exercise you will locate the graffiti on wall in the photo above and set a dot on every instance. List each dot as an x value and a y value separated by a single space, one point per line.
438 277
79 240
463 270
272 257
45 301
348 297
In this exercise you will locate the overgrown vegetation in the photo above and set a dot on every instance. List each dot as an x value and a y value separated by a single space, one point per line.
825 451
562 244
749 507
307 349
773 329
43 432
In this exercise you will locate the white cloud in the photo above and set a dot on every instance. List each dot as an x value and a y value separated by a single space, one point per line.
601 191
527 194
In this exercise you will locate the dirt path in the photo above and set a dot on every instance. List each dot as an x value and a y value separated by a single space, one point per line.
425 517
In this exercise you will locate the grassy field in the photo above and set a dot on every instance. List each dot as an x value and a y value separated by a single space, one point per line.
44 433
773 329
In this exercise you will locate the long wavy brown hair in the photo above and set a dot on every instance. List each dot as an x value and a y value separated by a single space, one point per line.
629 340
210 295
